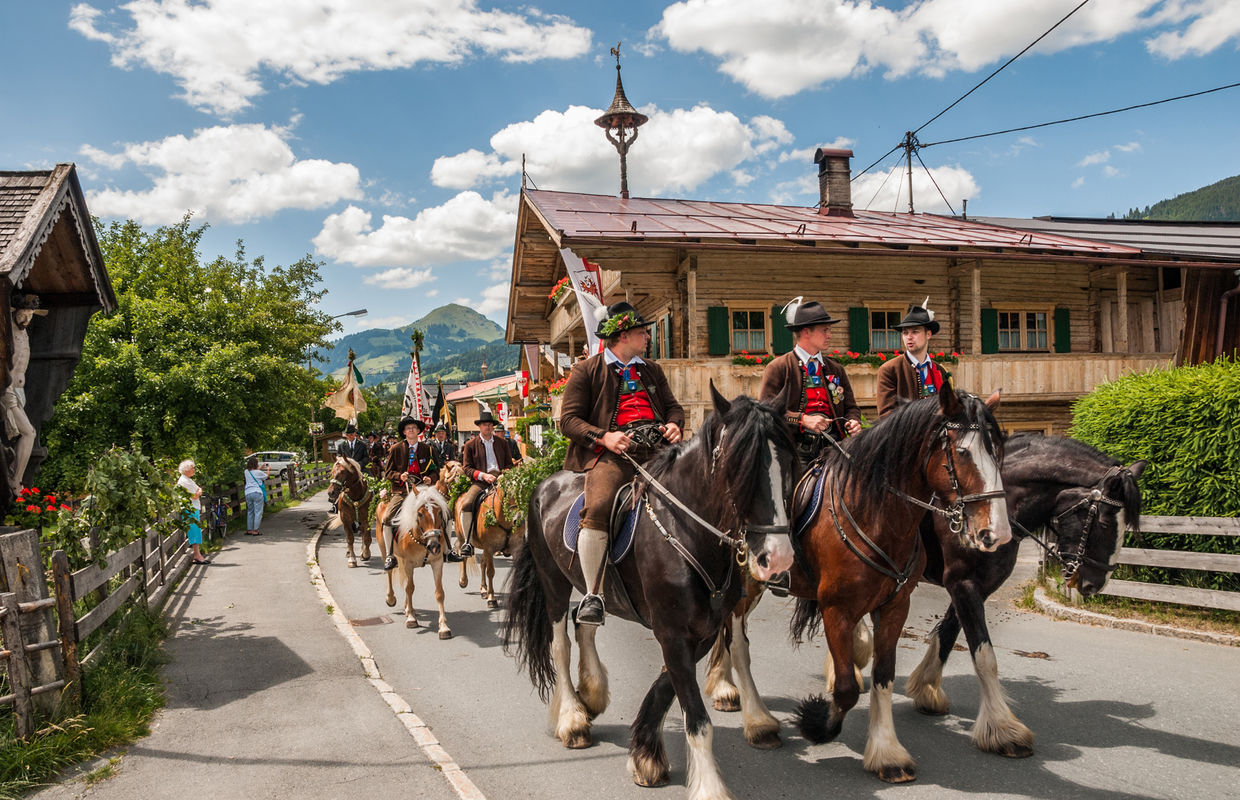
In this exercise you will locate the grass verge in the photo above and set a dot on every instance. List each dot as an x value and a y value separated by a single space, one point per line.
121 694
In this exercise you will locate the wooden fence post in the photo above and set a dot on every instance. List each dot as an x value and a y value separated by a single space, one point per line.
62 577
293 488
23 571
19 667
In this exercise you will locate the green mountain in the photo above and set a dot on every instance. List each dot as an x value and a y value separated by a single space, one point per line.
456 339
1218 202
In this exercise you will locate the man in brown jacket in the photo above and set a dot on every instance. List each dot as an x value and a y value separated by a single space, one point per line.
810 388
409 463
484 458
913 375
615 404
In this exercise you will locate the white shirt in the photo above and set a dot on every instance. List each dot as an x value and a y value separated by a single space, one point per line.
489 446
187 483
806 356
611 358
918 365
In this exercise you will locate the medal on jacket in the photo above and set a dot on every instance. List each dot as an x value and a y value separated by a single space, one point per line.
629 376
837 391
812 376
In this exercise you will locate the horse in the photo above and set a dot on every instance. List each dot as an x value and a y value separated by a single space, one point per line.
351 495
679 581
420 540
1088 500
876 492
503 537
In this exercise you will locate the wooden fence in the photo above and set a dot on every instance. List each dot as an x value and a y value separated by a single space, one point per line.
36 622
1181 559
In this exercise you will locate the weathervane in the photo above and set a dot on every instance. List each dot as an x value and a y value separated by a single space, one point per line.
623 119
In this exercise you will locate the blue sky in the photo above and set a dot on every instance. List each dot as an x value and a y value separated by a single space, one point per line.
384 137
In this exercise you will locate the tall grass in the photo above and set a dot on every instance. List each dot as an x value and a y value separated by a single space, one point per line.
121 693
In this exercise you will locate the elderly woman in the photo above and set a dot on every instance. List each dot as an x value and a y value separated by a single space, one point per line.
194 534
255 495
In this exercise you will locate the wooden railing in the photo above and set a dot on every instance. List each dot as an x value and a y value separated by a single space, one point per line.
1181 559
36 622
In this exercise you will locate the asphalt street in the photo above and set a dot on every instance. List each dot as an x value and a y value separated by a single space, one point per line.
1116 713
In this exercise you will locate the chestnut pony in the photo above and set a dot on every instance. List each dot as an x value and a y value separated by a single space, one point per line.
351 496
420 540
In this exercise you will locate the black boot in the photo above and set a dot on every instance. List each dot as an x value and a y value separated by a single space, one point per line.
451 556
590 611
389 563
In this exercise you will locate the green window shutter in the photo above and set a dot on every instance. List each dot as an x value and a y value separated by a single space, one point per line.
1063 331
990 330
859 329
781 337
717 331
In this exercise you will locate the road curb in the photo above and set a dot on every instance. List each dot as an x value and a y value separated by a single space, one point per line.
418 730
1060 611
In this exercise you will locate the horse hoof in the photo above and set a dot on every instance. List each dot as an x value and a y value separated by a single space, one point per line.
391 601
492 604
767 741
463 583
897 774
445 634
410 623
931 712
352 562
1015 750
579 740
727 703
365 553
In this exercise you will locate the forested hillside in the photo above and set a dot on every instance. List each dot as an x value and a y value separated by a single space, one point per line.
1219 202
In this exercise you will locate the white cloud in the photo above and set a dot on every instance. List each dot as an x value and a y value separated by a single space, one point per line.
680 149
399 278
494 300
805 155
232 173
1100 157
395 321
956 182
1111 172
467 227
780 47
500 268
1131 147
1079 182
220 51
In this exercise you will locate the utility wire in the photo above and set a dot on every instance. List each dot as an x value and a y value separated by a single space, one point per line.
1083 116
884 183
936 183
880 158
1005 65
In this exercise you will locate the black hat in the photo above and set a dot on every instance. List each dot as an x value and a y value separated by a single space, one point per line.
620 317
400 426
350 429
920 316
485 416
440 427
802 315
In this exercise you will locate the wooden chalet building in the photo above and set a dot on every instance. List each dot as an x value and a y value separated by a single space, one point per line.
1044 316
48 248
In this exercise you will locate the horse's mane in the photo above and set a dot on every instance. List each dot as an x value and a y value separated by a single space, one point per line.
1052 458
414 503
897 447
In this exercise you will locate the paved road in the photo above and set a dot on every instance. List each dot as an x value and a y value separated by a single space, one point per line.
1117 714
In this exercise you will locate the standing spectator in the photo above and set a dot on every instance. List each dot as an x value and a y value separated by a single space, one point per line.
255 495
194 534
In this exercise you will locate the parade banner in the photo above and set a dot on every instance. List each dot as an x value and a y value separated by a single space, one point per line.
347 401
588 284
532 360
414 404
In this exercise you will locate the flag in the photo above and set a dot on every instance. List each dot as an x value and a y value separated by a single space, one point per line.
437 411
414 404
588 284
533 362
347 401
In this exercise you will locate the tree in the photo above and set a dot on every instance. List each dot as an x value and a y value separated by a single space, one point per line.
199 360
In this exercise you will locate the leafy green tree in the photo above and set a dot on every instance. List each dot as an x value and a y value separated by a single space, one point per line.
199 360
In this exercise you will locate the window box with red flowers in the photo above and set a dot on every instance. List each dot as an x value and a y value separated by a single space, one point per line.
747 359
563 287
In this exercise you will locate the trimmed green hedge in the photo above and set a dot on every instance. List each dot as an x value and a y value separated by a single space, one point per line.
1186 423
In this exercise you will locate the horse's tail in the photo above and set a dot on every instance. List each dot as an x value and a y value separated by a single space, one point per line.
813 719
806 620
527 628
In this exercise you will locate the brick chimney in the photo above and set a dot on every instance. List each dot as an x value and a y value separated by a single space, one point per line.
834 182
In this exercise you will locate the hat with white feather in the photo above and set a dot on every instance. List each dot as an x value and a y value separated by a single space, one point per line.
920 316
799 315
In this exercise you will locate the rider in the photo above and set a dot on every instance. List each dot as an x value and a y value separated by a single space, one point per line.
915 375
443 450
484 458
615 405
409 463
811 389
353 447
378 454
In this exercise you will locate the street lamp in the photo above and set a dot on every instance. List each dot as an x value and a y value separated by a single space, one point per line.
361 312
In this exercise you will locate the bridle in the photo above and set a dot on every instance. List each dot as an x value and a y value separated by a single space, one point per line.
1073 559
347 488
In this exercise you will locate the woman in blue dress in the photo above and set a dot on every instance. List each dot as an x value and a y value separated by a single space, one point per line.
194 534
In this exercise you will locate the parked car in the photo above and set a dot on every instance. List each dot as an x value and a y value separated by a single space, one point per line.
277 460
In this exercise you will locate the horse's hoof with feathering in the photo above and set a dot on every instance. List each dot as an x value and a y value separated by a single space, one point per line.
728 701
1014 750
365 553
767 740
445 634
492 603
412 622
351 561
897 774
579 740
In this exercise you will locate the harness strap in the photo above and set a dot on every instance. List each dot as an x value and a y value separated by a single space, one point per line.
901 577
716 593
661 489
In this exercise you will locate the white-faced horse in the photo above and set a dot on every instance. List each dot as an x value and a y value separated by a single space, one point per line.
420 541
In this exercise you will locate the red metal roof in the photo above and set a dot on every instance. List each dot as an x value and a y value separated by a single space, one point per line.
481 386
586 216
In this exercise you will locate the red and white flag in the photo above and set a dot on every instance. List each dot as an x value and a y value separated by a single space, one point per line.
415 404
588 285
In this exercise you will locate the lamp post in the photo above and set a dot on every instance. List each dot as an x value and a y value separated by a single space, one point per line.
361 312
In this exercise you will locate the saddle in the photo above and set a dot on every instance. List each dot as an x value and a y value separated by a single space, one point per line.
623 522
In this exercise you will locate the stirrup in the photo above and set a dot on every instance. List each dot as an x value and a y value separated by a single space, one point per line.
389 563
590 611
450 556
466 550
780 585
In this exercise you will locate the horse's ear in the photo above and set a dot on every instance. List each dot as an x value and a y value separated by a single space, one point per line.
992 402
949 404
1137 467
722 405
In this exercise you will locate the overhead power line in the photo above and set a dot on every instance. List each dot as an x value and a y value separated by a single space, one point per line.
1000 69
1077 119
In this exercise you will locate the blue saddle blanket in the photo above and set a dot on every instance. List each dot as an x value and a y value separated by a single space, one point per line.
809 511
621 529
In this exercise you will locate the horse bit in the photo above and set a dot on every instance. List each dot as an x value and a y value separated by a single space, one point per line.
1072 560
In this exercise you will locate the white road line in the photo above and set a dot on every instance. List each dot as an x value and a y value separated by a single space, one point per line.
460 782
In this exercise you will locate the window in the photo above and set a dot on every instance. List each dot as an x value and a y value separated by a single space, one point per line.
749 331
1023 330
883 332
661 338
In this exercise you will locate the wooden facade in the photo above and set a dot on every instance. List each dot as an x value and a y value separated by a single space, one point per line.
1046 318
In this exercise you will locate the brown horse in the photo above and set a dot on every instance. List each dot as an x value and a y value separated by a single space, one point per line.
420 539
862 552
501 538
351 495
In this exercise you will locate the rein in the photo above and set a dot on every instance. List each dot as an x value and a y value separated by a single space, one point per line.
890 569
346 489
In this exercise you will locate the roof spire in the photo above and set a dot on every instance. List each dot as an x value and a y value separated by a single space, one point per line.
623 119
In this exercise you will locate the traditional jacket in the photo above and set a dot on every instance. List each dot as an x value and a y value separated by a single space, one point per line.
356 450
443 451
783 386
898 378
398 464
474 457
591 404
